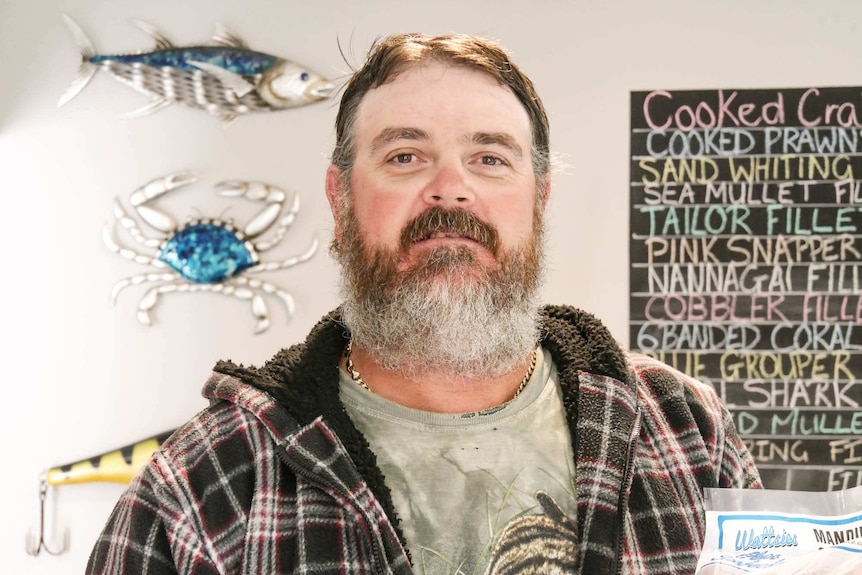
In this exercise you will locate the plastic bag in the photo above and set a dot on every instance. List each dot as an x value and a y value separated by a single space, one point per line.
776 532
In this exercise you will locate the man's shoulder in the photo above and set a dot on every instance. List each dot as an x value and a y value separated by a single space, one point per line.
235 407
238 416
291 389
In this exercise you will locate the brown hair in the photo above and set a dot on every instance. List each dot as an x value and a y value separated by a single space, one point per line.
390 55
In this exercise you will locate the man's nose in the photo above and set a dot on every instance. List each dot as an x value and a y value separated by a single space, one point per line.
450 188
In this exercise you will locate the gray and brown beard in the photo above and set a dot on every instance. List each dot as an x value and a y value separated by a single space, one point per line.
447 311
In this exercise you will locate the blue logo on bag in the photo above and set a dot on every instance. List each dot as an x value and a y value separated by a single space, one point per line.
765 540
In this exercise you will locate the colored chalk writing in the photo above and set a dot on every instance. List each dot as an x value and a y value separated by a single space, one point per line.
746 265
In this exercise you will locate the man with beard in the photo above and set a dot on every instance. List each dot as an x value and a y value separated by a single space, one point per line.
440 421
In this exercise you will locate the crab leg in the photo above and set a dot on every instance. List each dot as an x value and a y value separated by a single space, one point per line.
131 226
269 288
129 254
258 305
137 280
288 263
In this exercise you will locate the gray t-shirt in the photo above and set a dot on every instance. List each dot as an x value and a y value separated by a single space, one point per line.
468 487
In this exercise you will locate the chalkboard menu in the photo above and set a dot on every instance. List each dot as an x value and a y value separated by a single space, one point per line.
746 265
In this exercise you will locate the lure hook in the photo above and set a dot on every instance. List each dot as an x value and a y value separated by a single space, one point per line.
36 545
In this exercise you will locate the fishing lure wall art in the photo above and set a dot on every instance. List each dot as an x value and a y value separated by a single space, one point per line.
116 466
225 78
206 254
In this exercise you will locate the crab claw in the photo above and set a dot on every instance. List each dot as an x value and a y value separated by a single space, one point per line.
159 186
258 191
157 218
252 190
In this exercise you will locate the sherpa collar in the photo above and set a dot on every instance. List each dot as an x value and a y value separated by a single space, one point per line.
304 377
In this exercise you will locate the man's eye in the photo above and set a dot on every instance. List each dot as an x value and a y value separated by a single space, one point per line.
402 158
492 161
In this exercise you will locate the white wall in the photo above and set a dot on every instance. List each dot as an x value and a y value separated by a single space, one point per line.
83 377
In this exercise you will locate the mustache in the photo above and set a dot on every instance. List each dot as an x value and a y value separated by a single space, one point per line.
450 221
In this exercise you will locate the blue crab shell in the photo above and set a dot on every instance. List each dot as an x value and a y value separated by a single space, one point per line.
207 253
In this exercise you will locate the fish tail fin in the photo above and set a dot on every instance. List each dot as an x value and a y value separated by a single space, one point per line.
87 68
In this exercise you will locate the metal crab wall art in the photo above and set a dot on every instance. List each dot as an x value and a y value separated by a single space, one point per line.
206 254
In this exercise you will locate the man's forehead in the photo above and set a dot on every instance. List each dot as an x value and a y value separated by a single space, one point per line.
419 100
434 77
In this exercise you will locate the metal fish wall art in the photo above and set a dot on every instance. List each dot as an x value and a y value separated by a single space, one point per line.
225 78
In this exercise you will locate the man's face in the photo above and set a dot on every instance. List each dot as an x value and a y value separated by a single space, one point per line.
440 234
447 137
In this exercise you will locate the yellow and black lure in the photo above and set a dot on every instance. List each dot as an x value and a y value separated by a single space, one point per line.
118 466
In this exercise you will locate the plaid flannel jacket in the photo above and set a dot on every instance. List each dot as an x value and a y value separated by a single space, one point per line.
274 478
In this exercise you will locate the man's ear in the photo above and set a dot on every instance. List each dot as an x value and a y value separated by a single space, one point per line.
334 190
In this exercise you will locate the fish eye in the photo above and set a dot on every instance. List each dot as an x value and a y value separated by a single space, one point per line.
303 76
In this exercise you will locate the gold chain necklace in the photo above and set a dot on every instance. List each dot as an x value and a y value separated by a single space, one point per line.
357 377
